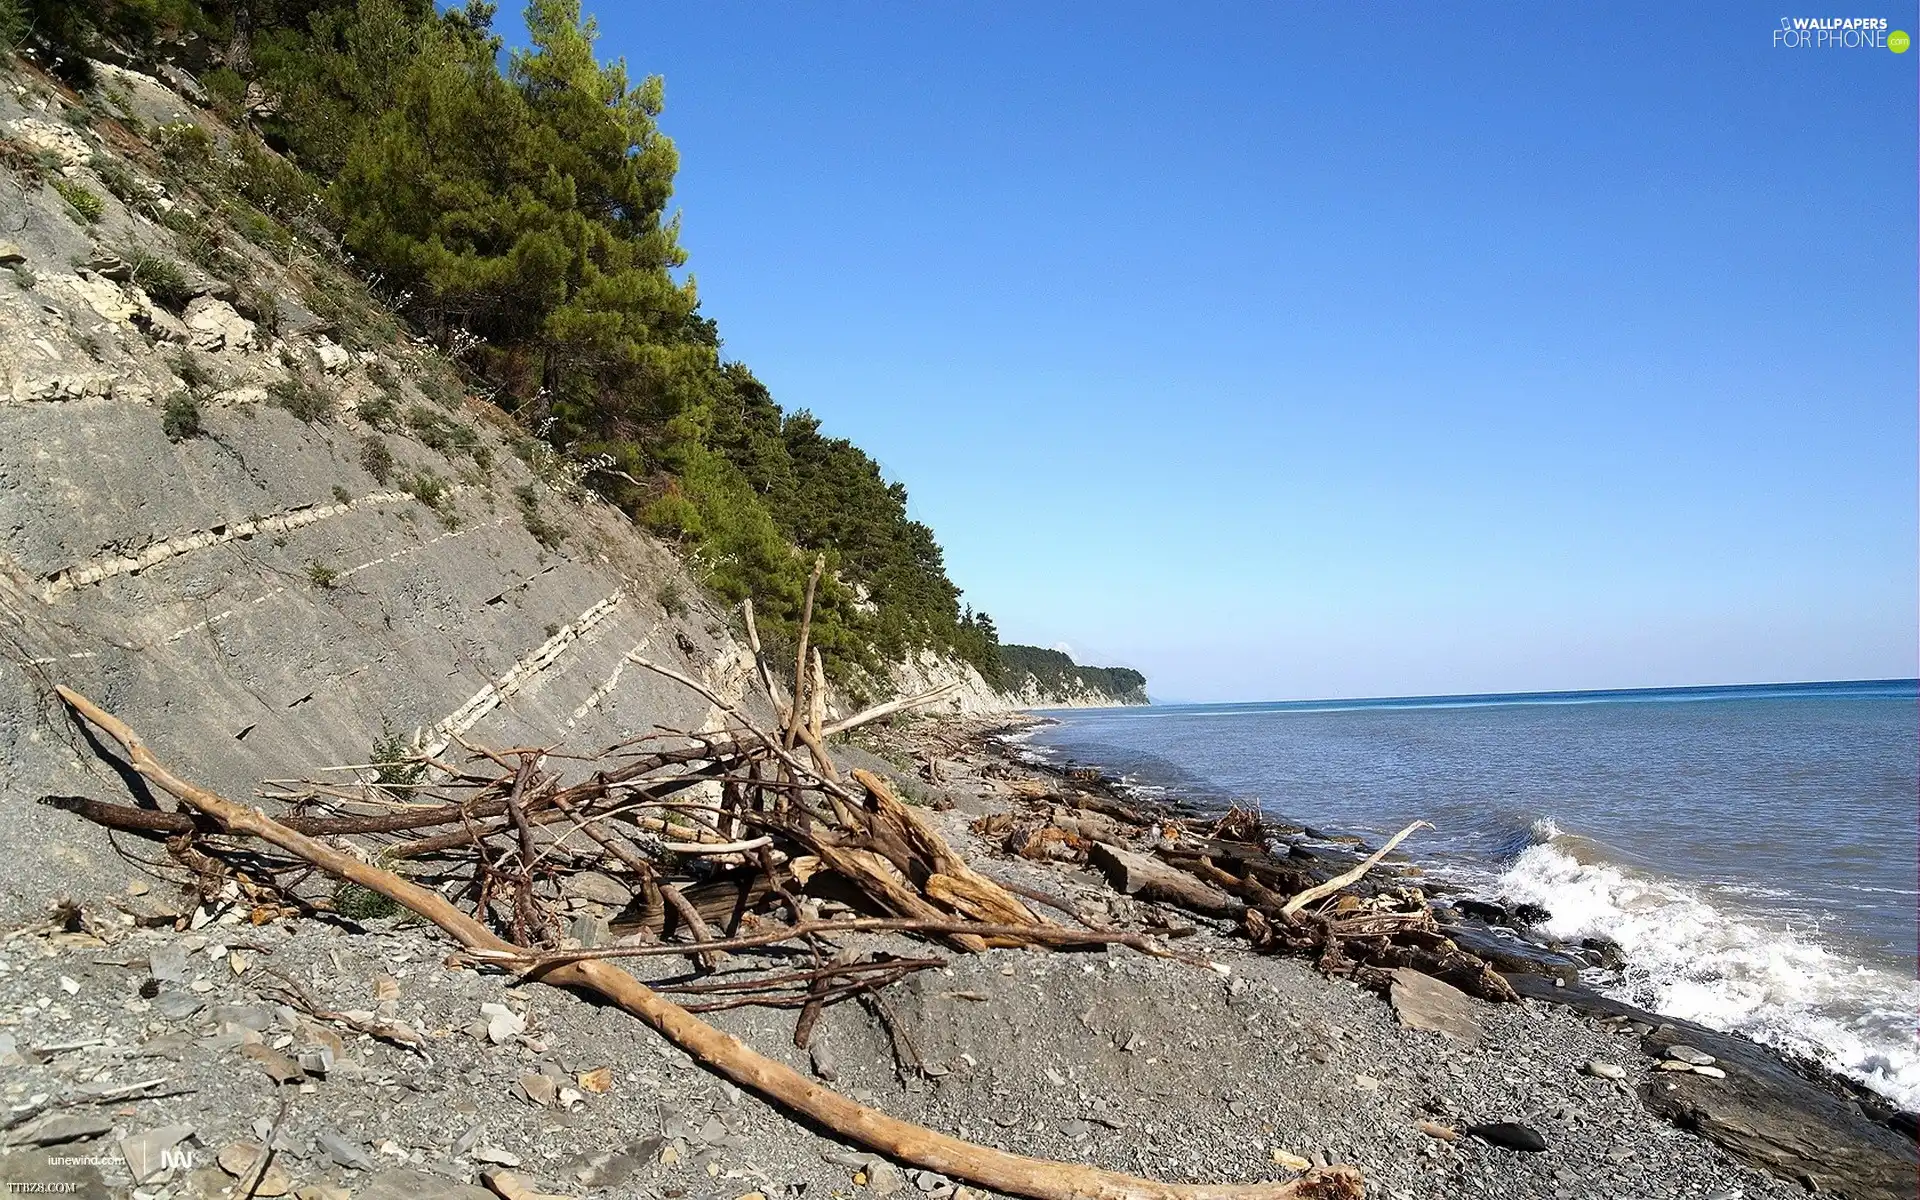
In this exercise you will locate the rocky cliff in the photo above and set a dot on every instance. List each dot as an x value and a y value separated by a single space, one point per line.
1081 687
240 508
1051 679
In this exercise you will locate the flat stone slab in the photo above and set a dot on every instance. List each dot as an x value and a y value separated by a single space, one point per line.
1423 1002
1508 953
1759 1108
1816 1130
61 1129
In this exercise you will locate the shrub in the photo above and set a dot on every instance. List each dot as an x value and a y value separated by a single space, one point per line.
548 533
300 398
322 577
208 249
256 305
126 186
393 759
191 373
362 324
376 458
21 159
428 488
198 236
163 280
121 97
673 601
184 145
356 903
88 205
258 228
119 180
443 389
228 89
271 182
442 386
181 417
383 376
14 25
341 495
438 433
24 276
548 466
378 411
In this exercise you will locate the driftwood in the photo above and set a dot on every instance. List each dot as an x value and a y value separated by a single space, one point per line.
1043 837
1283 874
1333 885
720 1052
1043 935
1090 802
703 835
1288 903
1150 879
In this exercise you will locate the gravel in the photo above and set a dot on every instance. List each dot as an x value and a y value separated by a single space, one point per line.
1241 1070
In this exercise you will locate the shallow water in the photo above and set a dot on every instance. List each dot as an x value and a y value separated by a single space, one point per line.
1752 850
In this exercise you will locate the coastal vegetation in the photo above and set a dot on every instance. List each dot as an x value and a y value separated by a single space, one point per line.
514 207
1054 673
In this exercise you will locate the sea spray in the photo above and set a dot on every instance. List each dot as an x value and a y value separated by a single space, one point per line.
1750 849
1688 957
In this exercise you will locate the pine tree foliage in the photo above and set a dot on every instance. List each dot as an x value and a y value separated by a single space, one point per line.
519 207
1053 672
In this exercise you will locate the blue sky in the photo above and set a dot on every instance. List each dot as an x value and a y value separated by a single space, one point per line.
1298 351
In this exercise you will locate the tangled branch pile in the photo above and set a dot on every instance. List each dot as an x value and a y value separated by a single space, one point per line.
719 833
1285 898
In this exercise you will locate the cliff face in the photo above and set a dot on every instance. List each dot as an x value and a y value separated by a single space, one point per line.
1051 679
242 511
1031 694
264 546
973 695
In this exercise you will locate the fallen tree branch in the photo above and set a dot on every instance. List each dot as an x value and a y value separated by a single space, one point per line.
780 710
849 967
696 925
797 715
724 1054
1349 877
869 715
695 849
1043 935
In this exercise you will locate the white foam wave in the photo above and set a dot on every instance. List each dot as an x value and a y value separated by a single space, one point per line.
1688 958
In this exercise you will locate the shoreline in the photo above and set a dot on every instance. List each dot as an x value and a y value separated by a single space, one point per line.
1511 928
1542 970
1215 1064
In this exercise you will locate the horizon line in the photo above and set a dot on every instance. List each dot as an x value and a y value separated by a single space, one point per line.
1549 693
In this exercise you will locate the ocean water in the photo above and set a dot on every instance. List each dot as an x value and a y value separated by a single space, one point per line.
1753 851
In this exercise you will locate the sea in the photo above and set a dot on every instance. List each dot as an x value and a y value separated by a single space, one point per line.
1753 851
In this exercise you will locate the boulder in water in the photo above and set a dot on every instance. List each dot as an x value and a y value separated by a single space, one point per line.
1530 914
